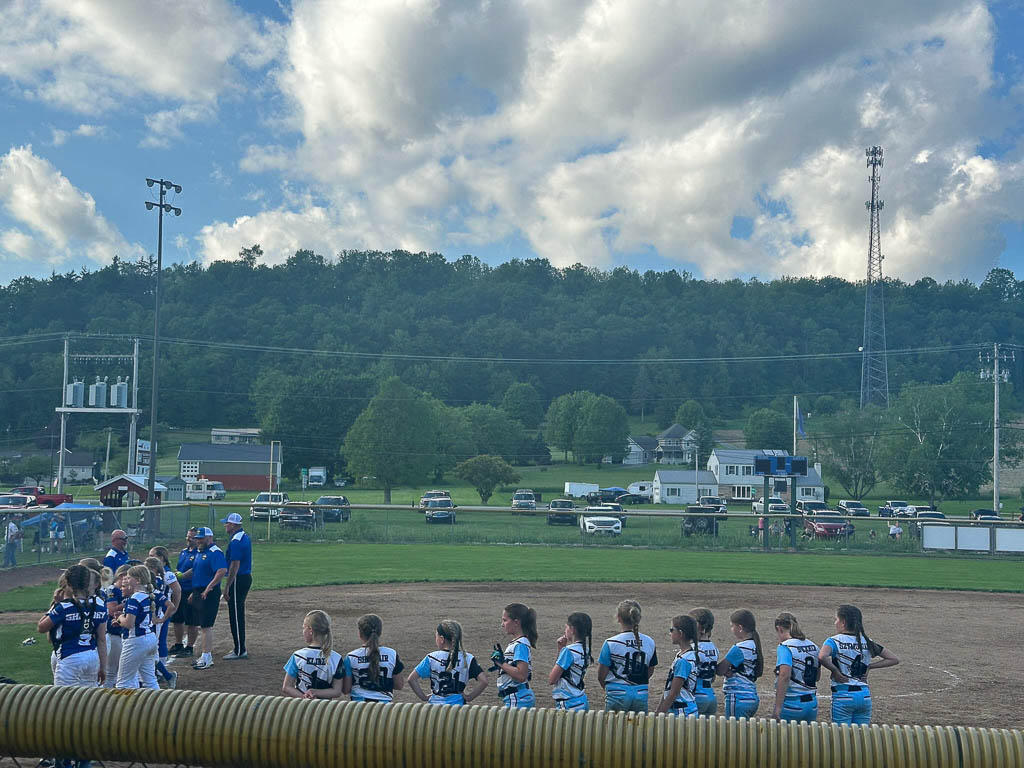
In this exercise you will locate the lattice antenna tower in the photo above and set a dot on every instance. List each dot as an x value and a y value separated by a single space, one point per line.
874 372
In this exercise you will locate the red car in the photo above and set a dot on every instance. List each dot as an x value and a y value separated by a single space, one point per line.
822 526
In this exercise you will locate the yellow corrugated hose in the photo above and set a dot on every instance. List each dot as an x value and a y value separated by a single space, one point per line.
226 729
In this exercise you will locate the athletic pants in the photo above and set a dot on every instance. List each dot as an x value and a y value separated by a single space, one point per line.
113 659
237 593
78 669
138 662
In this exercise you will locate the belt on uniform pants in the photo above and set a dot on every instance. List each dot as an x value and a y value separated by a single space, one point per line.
508 690
806 697
849 688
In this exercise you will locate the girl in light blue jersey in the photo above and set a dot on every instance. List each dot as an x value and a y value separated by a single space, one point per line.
449 669
848 656
681 684
707 665
315 671
514 664
372 671
796 670
566 677
627 662
741 667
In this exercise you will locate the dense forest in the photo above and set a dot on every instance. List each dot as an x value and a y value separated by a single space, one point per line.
309 341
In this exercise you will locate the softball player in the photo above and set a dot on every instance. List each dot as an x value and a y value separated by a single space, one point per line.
449 669
566 677
707 703
681 684
315 671
796 671
372 670
848 656
741 667
514 665
140 620
77 626
166 583
627 662
115 598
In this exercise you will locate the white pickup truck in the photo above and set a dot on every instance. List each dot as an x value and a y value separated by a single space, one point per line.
775 504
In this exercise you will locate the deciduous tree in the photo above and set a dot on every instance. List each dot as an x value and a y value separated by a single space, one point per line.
485 473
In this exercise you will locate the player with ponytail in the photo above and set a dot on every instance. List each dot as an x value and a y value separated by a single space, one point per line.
566 677
141 620
627 662
681 684
514 665
315 671
449 669
741 667
796 670
707 665
848 656
372 670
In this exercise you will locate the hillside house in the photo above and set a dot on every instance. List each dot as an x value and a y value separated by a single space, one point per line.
676 445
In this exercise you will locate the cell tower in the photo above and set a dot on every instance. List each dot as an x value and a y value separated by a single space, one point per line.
874 371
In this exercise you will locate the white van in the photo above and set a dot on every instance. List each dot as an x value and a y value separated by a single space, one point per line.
205 490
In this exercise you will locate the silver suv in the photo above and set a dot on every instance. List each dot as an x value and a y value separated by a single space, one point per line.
267 505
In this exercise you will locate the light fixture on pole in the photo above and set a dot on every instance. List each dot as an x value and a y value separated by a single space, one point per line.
153 519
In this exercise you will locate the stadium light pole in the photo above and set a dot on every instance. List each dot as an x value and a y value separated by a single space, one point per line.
153 521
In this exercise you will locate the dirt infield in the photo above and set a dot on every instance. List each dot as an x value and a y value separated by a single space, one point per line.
959 651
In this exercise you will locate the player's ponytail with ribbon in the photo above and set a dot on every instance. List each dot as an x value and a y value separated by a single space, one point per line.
583 627
370 627
527 618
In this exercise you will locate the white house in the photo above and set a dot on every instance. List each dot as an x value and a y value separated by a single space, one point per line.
639 450
679 486
676 445
734 474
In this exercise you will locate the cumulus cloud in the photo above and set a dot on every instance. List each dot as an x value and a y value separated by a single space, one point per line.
53 222
91 56
166 126
596 129
86 130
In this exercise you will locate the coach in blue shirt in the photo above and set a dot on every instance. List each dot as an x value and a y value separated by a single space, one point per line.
207 572
117 555
238 582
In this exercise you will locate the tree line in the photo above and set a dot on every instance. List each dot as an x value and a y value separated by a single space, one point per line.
515 338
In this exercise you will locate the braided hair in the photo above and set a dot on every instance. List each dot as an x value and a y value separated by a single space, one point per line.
451 631
583 627
370 626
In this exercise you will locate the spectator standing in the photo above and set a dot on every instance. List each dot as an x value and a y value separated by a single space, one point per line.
117 555
57 531
207 573
237 582
12 535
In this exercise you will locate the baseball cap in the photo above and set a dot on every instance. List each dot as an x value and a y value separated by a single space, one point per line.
202 533
234 517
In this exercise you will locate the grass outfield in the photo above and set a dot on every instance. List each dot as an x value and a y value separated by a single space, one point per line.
306 564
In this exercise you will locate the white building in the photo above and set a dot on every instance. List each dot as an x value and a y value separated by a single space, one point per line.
679 486
245 436
734 473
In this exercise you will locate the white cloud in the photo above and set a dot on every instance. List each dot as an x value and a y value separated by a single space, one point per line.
96 55
87 130
165 126
62 222
604 128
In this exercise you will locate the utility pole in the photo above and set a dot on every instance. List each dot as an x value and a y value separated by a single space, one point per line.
153 518
997 376
106 464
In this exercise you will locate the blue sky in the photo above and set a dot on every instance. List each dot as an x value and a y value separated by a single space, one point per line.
724 139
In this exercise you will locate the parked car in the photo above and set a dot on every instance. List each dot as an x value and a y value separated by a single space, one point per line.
822 528
913 510
713 501
267 505
612 507
297 514
562 512
810 507
757 506
440 511
335 509
631 498
853 507
596 524
890 508
524 499
17 501
978 514
705 524
432 495
603 496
